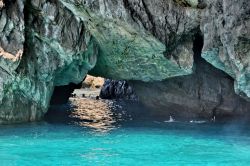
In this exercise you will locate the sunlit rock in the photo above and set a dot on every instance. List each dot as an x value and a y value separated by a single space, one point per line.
93 82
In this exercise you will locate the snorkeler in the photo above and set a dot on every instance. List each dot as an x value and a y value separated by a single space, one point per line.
171 119
213 115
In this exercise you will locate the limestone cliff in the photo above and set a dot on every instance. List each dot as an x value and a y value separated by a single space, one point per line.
206 93
47 43
226 29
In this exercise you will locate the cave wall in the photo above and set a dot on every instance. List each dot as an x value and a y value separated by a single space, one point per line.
117 89
43 46
206 93
48 43
226 29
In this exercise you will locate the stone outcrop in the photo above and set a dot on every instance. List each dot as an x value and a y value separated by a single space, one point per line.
117 89
226 29
93 82
206 93
45 44
142 40
58 50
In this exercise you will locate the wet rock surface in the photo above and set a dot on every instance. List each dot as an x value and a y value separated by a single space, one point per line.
113 89
58 51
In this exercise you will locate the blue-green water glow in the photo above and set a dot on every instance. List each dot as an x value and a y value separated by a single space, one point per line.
134 142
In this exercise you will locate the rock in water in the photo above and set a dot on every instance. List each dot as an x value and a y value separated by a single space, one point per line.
113 89
93 82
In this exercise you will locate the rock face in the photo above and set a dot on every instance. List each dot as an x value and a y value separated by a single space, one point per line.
93 82
143 39
206 93
58 50
113 89
226 28
45 44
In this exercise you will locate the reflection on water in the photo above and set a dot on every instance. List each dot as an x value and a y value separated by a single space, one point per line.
86 111
106 115
95 114
135 137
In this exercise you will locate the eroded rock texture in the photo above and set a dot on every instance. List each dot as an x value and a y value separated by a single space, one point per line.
226 28
206 93
47 43
139 40
14 104
117 89
58 50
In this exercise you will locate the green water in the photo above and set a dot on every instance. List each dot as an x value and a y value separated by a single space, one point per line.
138 141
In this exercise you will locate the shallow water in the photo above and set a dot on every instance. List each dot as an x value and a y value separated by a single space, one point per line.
131 137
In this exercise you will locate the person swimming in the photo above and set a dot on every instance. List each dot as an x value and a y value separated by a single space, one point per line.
213 115
198 121
171 119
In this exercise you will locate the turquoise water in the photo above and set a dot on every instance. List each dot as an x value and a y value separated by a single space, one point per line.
137 141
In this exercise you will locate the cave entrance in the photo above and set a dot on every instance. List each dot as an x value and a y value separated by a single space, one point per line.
90 87
80 104
62 94
197 47
200 62
65 98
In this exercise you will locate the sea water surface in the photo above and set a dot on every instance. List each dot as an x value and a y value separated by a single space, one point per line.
119 136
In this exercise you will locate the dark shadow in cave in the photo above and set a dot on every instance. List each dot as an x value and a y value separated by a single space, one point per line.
202 67
206 93
115 89
61 94
59 103
78 104
199 62
197 47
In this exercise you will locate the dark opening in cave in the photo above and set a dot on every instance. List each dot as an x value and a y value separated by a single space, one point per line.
61 94
59 103
85 100
197 47
81 103
199 61
65 98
